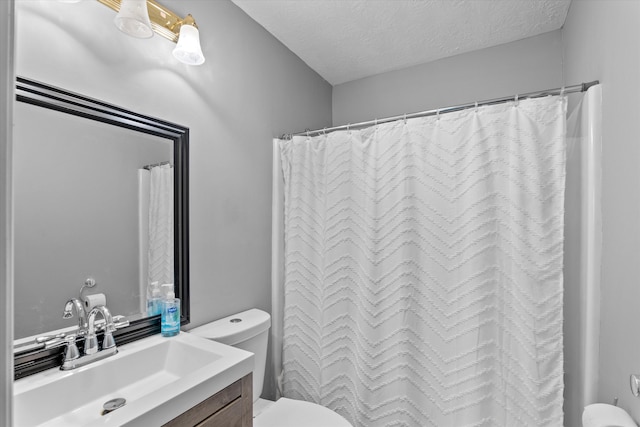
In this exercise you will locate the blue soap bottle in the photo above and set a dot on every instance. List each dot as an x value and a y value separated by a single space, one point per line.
170 316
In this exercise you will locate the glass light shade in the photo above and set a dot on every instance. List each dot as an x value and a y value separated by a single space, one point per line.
188 48
133 19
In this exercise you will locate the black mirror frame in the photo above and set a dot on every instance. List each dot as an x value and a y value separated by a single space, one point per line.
44 95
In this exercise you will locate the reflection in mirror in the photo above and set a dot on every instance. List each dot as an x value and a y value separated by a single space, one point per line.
100 192
82 209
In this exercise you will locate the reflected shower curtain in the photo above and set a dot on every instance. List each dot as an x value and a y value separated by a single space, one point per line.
423 268
161 225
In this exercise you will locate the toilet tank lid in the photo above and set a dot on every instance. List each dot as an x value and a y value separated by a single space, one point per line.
236 328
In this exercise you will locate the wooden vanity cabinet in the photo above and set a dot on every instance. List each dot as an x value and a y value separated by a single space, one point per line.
230 407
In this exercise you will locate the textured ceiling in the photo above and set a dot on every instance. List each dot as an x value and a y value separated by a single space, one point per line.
344 40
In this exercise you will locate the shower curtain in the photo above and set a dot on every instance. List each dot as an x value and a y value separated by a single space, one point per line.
161 222
422 268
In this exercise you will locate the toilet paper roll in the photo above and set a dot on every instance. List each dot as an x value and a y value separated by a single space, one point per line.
91 301
603 415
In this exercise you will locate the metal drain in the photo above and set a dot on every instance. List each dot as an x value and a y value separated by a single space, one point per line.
112 405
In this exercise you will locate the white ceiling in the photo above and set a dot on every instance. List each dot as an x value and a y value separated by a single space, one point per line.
344 40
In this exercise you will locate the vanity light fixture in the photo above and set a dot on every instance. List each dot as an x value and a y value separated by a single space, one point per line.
132 19
188 48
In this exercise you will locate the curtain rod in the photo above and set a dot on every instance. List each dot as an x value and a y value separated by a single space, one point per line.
149 167
583 87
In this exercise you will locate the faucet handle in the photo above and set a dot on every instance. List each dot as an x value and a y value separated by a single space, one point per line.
108 341
71 352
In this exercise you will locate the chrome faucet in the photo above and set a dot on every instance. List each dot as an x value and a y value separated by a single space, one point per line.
82 315
92 352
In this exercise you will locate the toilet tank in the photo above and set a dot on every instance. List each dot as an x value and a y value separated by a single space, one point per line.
249 331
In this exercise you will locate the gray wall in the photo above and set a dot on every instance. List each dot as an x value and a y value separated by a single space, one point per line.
602 41
250 89
523 66
6 279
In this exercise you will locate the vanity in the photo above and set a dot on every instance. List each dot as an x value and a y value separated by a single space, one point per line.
76 217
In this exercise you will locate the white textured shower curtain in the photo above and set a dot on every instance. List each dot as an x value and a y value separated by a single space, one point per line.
423 269
161 234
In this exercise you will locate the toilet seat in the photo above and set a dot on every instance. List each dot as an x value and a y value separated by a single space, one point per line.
296 413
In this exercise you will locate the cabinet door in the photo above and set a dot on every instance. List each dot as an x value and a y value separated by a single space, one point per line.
231 407
229 416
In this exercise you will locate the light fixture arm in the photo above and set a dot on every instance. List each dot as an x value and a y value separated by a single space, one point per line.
164 21
188 20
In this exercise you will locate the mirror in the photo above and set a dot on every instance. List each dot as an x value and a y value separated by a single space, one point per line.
99 191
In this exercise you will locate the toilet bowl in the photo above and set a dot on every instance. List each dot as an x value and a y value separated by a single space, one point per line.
295 413
249 331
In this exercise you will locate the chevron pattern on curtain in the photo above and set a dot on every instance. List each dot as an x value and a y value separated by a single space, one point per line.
423 268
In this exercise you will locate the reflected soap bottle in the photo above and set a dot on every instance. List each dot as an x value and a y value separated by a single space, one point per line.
154 299
170 316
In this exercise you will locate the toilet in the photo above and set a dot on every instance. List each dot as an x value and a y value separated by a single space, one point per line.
249 331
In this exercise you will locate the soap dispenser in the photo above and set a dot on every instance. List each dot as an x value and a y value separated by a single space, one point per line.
170 316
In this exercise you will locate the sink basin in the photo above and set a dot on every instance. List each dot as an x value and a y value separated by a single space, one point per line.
148 373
